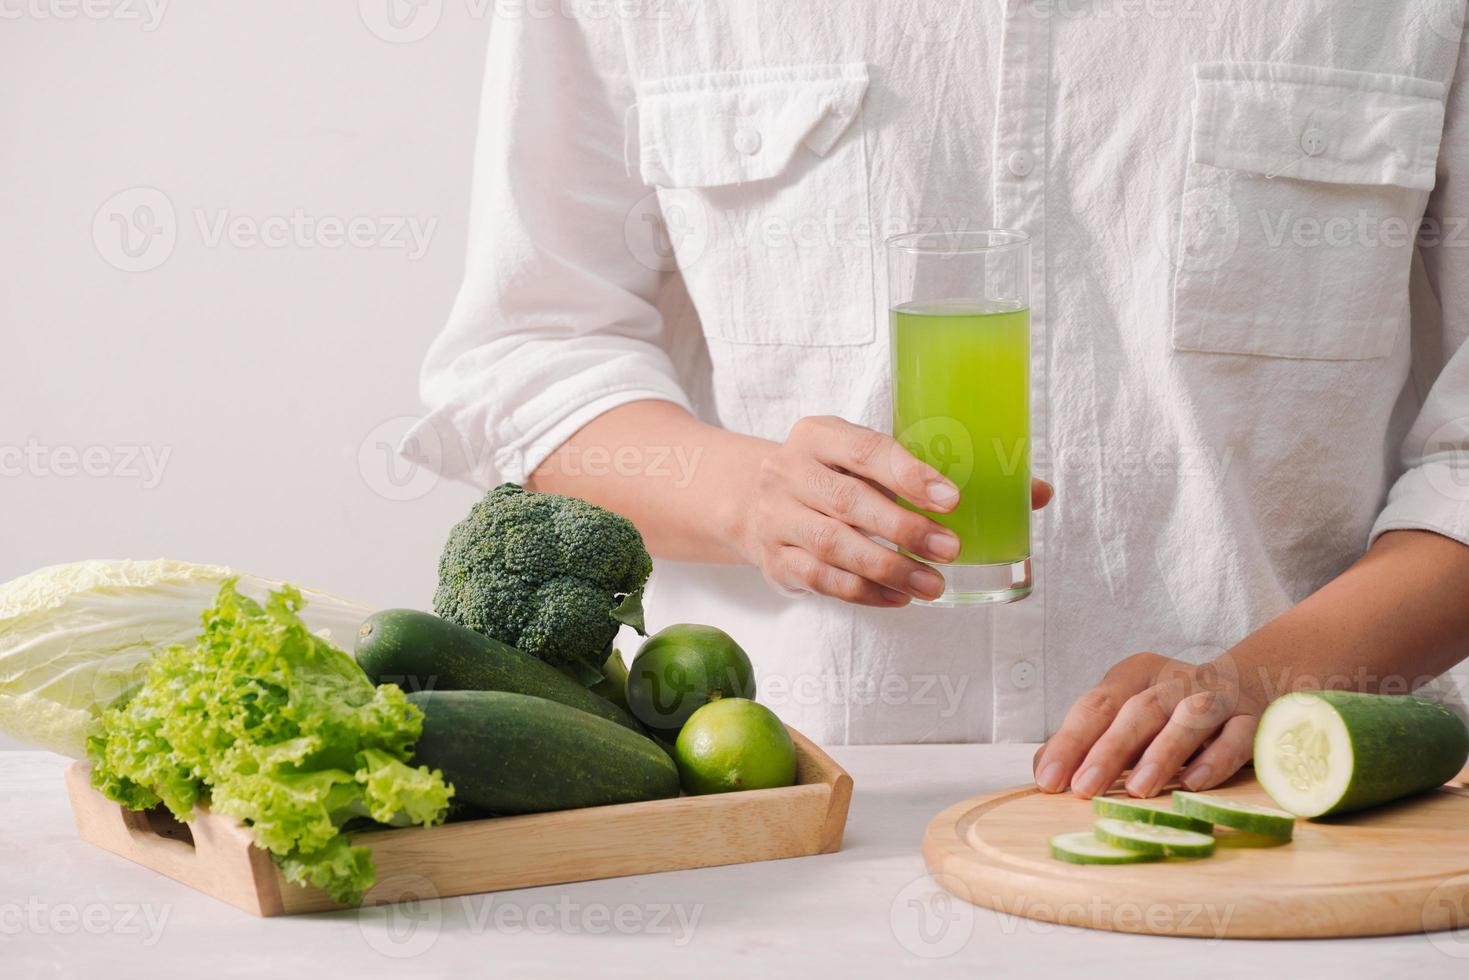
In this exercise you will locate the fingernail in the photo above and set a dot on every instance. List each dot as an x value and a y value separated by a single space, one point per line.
1089 783
927 583
1198 777
1050 778
942 493
942 546
1143 779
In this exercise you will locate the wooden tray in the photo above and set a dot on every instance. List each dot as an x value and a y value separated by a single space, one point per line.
1397 869
217 855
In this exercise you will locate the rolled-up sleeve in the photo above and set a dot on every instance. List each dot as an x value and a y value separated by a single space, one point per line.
557 319
1433 491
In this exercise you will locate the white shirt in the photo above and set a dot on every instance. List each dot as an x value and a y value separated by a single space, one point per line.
1230 393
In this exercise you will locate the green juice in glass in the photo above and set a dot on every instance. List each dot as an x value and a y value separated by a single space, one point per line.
961 402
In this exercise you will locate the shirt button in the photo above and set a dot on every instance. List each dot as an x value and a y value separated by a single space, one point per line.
1022 675
1313 141
747 141
1021 163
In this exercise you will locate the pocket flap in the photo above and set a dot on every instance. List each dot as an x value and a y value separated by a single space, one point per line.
1325 124
734 127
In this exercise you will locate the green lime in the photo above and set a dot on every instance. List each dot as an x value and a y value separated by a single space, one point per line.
734 744
679 669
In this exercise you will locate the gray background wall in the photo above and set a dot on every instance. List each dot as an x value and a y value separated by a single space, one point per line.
240 362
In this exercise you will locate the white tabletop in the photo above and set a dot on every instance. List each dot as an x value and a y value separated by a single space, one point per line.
69 909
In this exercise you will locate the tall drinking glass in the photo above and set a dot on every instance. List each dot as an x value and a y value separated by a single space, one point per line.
960 323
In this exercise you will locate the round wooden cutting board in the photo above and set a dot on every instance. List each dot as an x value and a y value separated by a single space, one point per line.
1397 869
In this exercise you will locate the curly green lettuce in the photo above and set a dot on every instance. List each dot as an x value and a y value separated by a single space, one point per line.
276 727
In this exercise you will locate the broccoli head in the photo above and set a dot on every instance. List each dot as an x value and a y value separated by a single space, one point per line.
554 576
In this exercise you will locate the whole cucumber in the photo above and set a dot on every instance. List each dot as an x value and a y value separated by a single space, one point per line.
1319 753
512 753
419 651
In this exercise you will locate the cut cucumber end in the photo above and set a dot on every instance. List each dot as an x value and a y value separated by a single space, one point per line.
1248 817
1111 806
1082 847
1152 838
1303 754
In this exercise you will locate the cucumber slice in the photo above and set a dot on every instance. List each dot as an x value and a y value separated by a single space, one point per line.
1319 753
1152 838
1111 806
1249 817
1082 847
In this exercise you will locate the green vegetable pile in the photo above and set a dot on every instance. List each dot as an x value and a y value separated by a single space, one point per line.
550 575
277 728
261 718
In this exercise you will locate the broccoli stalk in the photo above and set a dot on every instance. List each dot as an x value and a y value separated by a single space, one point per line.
554 576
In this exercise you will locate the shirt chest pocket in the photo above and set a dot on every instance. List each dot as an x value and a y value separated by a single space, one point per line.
1302 202
761 177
